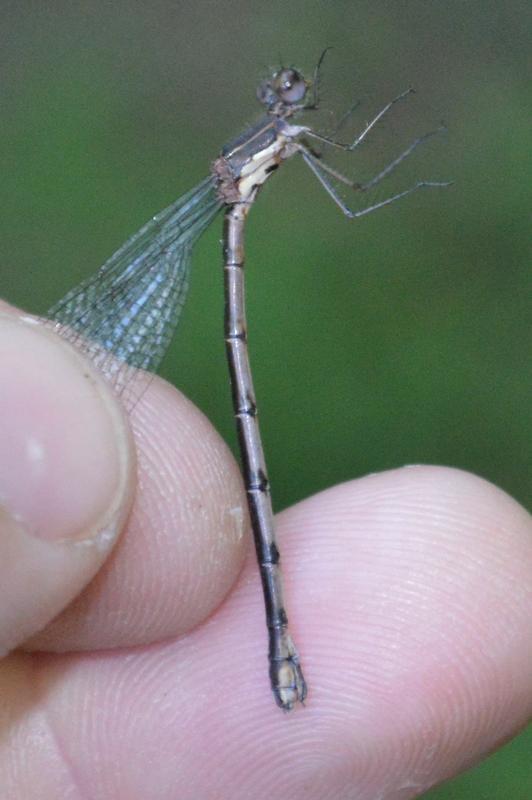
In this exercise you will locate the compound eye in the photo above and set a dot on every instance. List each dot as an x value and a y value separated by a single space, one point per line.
290 86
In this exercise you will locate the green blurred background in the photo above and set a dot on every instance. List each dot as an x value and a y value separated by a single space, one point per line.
403 337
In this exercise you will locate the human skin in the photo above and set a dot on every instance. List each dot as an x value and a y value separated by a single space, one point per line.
131 609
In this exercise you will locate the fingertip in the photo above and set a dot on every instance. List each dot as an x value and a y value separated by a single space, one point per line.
66 474
413 615
184 543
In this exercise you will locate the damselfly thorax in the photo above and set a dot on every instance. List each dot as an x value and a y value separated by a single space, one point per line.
247 161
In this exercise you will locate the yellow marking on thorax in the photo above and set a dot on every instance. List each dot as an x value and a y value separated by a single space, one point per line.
255 172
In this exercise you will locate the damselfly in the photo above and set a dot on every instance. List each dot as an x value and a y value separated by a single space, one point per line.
125 315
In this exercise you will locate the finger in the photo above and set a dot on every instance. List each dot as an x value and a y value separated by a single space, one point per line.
66 476
409 595
184 543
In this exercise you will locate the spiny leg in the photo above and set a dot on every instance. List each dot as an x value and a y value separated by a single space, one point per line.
317 168
395 163
313 104
361 136
339 124
316 79
345 116
388 169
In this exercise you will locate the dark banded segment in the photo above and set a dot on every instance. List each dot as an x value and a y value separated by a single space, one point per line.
286 676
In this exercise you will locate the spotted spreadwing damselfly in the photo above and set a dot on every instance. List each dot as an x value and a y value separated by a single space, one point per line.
125 315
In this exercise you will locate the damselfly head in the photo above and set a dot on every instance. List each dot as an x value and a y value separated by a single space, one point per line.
286 87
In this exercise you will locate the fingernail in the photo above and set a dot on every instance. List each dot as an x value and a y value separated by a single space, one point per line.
66 454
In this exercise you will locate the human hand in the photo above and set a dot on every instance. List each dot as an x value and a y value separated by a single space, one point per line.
143 670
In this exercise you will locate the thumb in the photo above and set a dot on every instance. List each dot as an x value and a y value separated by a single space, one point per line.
66 475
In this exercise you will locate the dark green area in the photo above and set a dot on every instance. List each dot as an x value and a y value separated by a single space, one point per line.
403 337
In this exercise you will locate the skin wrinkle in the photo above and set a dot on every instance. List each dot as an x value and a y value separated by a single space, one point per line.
76 779
35 690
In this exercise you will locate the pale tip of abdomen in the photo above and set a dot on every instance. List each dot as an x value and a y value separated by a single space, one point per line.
288 683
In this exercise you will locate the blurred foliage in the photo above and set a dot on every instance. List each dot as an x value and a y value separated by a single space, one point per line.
403 337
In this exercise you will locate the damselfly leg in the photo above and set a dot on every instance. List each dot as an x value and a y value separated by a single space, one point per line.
370 125
321 169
